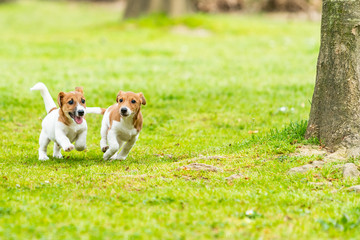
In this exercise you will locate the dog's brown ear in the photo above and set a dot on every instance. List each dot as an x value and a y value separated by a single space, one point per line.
142 98
79 89
119 96
60 97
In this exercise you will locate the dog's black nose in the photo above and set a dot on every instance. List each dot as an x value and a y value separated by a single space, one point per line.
81 112
123 110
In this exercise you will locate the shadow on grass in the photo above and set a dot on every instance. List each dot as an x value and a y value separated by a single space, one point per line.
79 161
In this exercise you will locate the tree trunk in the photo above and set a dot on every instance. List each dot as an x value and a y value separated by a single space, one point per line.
335 109
173 8
286 5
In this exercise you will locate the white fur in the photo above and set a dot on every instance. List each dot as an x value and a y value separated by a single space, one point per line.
56 131
114 138
95 110
49 102
80 107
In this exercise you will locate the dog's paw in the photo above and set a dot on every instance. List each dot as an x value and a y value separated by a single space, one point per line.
104 149
117 157
43 158
69 148
58 155
80 148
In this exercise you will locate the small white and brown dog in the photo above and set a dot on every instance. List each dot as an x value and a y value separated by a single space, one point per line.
122 122
66 124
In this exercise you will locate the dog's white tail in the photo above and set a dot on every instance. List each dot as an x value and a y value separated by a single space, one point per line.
49 102
96 110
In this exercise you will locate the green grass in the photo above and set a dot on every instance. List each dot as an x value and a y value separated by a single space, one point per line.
206 95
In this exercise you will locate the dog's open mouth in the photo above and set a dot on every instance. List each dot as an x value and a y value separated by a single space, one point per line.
77 119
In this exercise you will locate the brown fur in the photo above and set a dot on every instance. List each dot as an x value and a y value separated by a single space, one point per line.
138 122
127 97
63 118
54 108
65 107
114 114
79 89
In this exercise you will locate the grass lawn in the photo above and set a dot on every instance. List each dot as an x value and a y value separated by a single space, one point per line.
235 86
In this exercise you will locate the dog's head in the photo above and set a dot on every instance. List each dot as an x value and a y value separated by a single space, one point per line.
73 104
130 103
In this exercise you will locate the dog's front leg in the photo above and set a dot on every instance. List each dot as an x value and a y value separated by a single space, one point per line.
126 149
104 132
113 145
80 142
63 140
57 152
44 142
114 157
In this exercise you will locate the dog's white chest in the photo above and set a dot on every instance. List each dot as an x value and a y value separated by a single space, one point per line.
125 131
74 131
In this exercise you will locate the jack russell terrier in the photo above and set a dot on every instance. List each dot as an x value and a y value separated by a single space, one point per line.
122 122
65 124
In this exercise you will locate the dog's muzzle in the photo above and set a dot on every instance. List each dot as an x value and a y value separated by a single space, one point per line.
78 115
125 111
81 112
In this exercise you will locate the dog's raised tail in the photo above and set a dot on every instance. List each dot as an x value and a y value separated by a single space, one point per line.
49 102
96 110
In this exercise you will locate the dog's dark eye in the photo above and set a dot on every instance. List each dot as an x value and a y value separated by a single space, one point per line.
121 100
71 102
133 101
83 100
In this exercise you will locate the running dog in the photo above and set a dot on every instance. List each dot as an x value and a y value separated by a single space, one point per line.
122 122
66 124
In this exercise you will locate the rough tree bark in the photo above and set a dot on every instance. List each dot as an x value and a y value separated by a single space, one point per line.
335 109
286 5
173 8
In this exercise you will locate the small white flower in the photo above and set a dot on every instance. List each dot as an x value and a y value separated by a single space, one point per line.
47 181
283 109
17 185
249 212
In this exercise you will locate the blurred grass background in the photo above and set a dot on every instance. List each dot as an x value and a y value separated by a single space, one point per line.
207 80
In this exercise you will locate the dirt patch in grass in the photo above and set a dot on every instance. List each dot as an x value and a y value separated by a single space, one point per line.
200 167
